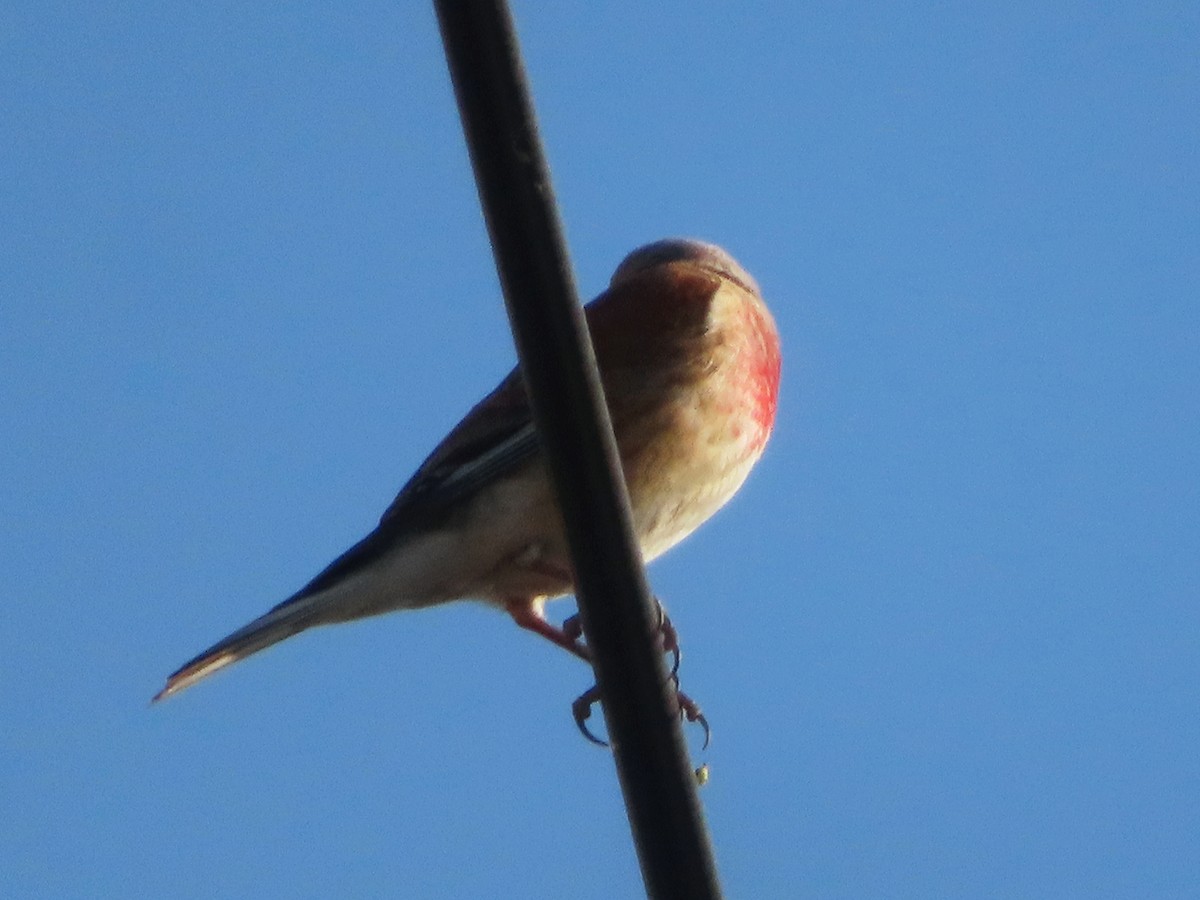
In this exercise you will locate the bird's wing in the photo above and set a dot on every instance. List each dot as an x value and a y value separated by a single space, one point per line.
496 436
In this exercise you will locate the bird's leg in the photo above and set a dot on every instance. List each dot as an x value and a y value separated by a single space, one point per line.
668 638
530 615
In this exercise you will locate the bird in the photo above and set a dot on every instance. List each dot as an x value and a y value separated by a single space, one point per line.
689 360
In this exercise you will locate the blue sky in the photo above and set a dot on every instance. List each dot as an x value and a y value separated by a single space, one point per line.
947 635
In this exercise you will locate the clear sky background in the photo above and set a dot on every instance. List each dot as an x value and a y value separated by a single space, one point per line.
947 635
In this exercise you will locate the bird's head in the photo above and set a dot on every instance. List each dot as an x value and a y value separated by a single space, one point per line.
705 256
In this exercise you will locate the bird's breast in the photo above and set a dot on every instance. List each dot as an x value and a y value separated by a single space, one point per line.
712 426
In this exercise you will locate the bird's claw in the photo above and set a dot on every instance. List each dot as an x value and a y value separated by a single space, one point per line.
570 637
688 709
582 710
668 638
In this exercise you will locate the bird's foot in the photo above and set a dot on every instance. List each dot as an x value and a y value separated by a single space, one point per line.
668 638
530 615
687 709
582 710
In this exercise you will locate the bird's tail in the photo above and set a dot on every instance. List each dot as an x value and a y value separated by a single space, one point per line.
282 622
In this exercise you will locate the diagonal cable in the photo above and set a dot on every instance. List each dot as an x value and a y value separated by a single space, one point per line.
560 371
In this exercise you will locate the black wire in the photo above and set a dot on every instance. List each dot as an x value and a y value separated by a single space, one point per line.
560 371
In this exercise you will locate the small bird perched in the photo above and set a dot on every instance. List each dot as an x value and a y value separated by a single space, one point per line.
689 359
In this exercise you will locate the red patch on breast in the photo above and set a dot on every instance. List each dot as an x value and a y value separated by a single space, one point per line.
762 362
